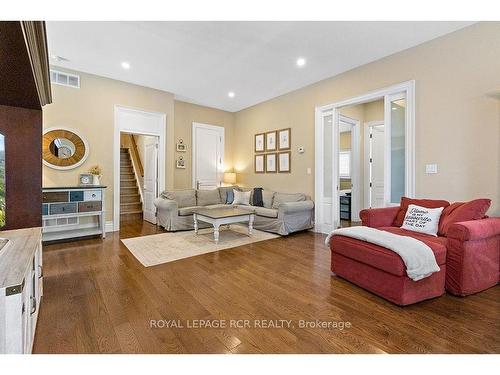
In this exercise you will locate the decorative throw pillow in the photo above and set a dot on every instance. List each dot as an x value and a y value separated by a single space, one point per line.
184 198
267 198
459 211
257 197
229 196
207 197
286 197
242 197
422 219
427 203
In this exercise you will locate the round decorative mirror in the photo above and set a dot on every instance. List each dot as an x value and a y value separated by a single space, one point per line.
63 148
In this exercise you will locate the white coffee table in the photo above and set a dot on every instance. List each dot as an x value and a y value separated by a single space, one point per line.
223 216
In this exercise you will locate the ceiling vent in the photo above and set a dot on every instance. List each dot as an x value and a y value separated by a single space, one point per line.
64 79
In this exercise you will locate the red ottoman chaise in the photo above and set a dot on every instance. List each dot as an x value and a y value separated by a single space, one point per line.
467 253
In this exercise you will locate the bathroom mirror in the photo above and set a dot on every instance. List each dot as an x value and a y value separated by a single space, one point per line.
63 148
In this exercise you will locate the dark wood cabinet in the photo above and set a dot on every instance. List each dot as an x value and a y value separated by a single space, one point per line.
345 207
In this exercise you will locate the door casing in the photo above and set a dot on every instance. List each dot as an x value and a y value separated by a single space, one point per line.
136 121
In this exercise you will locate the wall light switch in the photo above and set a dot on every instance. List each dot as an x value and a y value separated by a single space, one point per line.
309 170
431 168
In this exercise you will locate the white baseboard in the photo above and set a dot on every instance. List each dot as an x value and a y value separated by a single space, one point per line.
109 226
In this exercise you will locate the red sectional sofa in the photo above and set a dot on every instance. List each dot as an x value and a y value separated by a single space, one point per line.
467 253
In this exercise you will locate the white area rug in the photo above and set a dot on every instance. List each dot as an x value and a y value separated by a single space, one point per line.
167 247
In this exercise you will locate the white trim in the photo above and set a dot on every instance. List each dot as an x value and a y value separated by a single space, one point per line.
408 88
109 226
220 130
160 131
82 160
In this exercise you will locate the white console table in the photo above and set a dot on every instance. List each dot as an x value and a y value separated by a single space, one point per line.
64 207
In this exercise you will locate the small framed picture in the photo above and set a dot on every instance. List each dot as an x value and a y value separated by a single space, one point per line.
180 163
270 163
259 164
259 142
181 146
85 179
271 141
284 139
284 165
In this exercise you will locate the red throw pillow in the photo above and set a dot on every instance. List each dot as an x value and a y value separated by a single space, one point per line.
427 203
457 212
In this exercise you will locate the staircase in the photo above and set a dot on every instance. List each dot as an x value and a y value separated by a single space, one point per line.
130 200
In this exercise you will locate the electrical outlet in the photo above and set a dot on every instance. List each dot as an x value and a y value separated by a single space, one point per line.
431 168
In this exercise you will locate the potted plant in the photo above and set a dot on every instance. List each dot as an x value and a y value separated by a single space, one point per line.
96 173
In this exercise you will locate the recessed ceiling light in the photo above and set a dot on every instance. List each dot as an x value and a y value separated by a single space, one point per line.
231 94
301 62
125 65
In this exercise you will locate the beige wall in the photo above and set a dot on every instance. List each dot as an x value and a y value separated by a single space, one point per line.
185 115
457 123
90 111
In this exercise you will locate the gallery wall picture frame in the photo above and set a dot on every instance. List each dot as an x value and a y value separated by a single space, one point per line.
271 141
285 162
85 179
180 163
259 163
259 142
284 139
181 146
271 163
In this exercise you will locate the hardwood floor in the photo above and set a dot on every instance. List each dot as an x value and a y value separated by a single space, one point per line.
100 299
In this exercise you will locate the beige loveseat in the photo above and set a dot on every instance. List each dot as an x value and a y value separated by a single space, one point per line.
283 213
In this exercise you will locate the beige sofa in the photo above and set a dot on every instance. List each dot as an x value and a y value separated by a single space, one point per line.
283 213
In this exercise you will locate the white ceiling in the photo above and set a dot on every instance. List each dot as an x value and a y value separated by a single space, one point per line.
200 62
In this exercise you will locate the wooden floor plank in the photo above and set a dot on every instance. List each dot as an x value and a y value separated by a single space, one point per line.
100 299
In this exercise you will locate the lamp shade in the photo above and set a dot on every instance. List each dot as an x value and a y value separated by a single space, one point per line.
230 177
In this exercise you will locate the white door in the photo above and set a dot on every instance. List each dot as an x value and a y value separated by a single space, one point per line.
150 190
377 159
326 206
208 156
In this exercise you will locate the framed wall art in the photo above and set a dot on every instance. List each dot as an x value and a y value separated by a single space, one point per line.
259 142
284 162
271 141
284 139
180 163
270 163
181 146
259 166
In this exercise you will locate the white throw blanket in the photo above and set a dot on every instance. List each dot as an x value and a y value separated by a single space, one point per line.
417 256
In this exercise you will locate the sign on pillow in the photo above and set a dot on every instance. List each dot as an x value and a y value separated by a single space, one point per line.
422 219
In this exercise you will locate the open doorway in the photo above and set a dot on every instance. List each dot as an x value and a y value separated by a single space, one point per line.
149 134
138 177
366 158
382 157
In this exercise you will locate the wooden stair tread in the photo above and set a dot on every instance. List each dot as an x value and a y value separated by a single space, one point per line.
130 201
130 212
